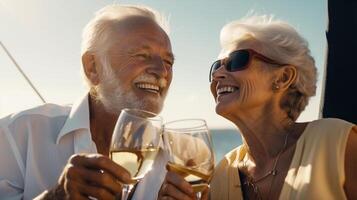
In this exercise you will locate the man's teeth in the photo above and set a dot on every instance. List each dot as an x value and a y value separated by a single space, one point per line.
226 89
148 86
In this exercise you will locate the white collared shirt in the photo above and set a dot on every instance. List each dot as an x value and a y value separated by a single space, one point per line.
36 144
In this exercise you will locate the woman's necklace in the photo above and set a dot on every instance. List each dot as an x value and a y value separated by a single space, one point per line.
250 182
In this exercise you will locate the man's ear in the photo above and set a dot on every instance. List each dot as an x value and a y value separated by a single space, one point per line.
285 77
90 68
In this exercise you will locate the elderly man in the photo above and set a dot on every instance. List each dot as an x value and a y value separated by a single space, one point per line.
56 152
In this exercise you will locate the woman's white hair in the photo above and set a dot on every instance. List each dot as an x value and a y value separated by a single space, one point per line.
281 42
97 34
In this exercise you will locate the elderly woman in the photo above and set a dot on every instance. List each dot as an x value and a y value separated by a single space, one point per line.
262 82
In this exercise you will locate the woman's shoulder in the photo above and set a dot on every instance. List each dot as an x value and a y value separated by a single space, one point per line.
326 133
331 122
328 127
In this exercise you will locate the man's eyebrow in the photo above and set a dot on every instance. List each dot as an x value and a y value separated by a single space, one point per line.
140 48
147 47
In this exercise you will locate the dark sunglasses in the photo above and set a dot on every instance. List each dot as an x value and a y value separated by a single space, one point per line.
239 60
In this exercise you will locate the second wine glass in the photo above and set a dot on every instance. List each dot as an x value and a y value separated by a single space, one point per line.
191 153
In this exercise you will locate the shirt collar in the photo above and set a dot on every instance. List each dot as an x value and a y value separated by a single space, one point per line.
78 118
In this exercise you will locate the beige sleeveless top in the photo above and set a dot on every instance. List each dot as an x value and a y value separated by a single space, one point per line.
316 170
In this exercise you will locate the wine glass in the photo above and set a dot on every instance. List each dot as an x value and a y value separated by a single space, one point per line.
135 144
190 148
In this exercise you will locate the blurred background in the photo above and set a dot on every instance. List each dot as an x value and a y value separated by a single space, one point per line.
44 37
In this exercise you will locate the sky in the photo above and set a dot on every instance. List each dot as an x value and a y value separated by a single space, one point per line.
44 37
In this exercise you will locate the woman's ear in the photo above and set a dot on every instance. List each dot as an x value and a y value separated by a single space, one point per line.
285 77
90 68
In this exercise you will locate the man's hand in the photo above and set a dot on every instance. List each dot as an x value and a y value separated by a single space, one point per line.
176 187
91 175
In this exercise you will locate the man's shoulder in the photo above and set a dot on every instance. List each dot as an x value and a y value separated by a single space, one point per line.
44 111
41 123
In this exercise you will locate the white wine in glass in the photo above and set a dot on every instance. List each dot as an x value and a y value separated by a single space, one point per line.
135 144
198 180
136 162
191 153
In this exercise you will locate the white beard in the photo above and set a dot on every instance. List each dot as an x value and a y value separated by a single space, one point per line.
114 98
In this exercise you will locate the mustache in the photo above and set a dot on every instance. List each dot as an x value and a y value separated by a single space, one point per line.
161 82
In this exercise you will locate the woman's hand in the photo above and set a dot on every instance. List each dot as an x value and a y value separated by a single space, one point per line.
176 187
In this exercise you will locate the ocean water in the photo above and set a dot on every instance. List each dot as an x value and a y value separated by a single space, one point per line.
224 140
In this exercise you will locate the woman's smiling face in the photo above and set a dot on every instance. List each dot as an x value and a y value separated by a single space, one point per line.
241 91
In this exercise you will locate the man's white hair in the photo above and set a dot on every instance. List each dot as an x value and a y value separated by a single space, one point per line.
97 35
281 42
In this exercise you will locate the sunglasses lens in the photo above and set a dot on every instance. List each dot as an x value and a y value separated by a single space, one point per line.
238 60
214 67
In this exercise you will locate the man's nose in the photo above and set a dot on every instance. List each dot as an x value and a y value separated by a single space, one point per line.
157 68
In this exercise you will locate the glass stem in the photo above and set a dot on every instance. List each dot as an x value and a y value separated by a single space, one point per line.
126 191
198 195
